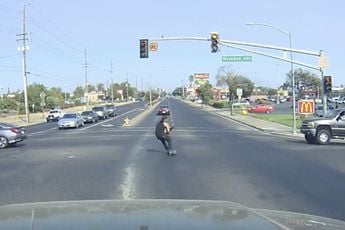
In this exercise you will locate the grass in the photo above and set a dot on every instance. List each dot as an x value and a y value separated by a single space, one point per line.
285 119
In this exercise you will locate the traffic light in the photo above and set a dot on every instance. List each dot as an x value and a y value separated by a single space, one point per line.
214 42
327 84
144 48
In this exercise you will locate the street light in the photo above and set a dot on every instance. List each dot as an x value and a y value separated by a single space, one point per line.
293 77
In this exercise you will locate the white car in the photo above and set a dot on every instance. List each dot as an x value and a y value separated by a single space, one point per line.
54 115
71 120
199 101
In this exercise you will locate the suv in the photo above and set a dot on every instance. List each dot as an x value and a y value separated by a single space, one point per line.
54 115
322 130
101 112
111 110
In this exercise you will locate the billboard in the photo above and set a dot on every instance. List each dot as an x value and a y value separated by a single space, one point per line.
306 106
201 78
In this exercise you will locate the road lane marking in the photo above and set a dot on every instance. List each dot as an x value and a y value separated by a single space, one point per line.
99 123
43 131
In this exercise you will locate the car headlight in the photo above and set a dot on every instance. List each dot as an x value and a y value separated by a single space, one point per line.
310 124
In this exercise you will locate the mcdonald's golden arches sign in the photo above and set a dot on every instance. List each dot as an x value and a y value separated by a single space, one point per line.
306 106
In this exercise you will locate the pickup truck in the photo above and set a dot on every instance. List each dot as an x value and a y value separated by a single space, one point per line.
54 115
322 130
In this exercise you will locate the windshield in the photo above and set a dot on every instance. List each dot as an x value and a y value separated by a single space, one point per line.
332 113
70 115
133 100
98 109
86 113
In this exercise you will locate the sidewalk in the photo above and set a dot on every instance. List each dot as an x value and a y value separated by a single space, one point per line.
263 125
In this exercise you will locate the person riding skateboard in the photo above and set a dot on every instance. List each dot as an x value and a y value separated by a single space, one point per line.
162 132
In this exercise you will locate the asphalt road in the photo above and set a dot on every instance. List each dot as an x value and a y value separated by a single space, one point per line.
122 109
216 159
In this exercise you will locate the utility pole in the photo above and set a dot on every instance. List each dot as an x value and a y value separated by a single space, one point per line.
23 50
112 82
136 86
127 88
86 65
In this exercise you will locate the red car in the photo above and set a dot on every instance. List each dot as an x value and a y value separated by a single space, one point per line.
163 110
261 108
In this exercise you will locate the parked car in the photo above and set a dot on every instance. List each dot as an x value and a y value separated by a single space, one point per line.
198 101
111 110
163 110
71 120
261 108
89 116
101 112
318 110
54 115
11 134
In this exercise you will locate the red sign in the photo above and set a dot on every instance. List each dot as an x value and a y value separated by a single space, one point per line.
306 106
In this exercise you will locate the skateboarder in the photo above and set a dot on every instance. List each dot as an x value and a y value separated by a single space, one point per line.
162 132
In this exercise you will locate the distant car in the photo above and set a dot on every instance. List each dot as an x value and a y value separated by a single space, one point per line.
111 110
163 110
71 120
198 101
54 115
101 112
89 116
261 108
11 134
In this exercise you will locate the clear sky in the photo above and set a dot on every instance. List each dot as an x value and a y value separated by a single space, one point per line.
61 30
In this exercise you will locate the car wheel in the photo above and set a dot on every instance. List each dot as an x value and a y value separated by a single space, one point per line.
310 139
323 136
267 111
3 142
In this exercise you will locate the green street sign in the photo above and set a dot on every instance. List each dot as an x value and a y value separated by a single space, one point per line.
236 58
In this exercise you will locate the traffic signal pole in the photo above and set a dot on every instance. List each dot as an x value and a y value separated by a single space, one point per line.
215 41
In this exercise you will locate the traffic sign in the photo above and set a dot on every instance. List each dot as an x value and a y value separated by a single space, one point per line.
306 106
42 95
239 92
237 58
153 46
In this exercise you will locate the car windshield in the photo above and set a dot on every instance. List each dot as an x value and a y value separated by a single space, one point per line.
86 113
187 100
70 115
98 109
332 113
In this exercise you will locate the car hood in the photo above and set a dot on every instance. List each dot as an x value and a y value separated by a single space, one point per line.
309 119
154 214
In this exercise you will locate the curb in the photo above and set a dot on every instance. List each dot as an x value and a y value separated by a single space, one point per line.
244 123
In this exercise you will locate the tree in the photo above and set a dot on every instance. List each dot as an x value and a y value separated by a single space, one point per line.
177 91
78 92
191 79
206 93
100 87
55 98
234 81
34 91
304 81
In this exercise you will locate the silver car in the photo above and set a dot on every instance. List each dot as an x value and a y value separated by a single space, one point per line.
11 134
71 120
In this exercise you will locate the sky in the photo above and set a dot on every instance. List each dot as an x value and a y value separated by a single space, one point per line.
60 32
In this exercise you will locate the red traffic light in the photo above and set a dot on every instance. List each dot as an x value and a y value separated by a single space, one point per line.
144 48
